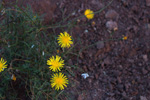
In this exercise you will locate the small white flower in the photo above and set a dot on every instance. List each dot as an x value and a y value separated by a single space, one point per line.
43 53
85 75
32 46
86 31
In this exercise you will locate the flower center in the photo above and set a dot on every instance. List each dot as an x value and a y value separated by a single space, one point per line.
65 39
59 81
56 64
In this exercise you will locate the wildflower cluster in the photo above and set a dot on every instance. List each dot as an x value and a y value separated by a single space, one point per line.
59 80
56 63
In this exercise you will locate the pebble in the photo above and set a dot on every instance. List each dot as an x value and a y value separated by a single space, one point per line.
143 98
100 45
145 58
111 14
111 25
86 31
107 61
147 2
144 71
96 76
80 97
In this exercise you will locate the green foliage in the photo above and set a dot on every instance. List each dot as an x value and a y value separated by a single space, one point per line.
26 50
26 45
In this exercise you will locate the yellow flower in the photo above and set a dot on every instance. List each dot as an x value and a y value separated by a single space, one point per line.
55 63
89 14
59 81
64 40
2 65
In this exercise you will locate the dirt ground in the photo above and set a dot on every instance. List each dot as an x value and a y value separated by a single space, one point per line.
118 70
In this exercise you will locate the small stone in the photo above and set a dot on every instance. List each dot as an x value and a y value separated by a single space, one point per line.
100 45
119 80
111 25
111 14
148 68
86 31
143 98
144 71
80 97
145 58
148 26
107 61
124 94
134 9
90 80
131 60
97 4
147 2
96 76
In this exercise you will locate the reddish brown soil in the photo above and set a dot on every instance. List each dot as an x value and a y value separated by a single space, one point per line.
118 70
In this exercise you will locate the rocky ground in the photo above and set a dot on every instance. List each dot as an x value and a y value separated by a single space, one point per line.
118 70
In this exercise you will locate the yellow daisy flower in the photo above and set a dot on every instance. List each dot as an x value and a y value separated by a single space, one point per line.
64 40
55 63
89 14
59 81
2 65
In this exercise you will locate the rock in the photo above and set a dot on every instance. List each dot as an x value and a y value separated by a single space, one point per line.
145 58
148 26
96 76
90 80
148 68
124 94
127 86
125 2
80 97
111 25
111 14
144 71
135 9
131 60
147 2
100 45
97 4
119 79
107 61
143 98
